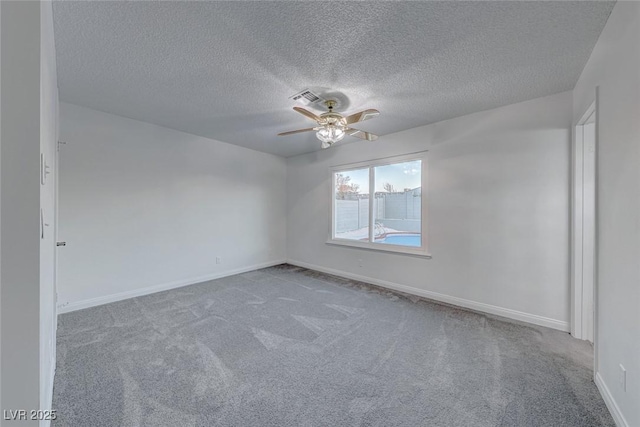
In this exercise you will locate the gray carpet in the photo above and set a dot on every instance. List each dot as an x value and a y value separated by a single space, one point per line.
286 346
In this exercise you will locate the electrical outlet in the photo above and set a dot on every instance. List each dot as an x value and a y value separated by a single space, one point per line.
623 378
218 260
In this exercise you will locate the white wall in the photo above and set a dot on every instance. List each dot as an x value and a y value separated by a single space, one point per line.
498 211
48 143
20 204
614 67
144 208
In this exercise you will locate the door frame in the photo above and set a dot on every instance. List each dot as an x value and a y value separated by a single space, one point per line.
579 269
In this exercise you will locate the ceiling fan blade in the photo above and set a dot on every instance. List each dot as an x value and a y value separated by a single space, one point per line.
307 113
362 116
291 132
361 134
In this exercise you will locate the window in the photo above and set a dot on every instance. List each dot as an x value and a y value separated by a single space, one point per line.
379 204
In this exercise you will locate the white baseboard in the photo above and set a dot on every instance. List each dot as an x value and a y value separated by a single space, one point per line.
610 402
461 302
93 302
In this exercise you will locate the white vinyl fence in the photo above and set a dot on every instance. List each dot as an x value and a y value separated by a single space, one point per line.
400 211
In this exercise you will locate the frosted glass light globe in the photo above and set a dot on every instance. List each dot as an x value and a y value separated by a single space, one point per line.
330 134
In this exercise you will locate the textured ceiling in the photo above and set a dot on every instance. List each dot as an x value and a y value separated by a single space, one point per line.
226 70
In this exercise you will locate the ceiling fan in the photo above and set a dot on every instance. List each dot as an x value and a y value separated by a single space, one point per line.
332 126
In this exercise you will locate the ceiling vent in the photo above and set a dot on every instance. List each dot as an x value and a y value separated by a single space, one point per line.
306 97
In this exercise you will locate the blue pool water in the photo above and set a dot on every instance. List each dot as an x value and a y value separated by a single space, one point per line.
402 240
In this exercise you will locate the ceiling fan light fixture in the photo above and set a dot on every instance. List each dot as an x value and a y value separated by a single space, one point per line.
332 127
330 134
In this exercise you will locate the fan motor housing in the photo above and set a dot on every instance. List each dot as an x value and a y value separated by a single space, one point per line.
332 118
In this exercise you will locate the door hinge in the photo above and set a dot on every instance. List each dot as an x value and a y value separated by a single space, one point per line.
61 243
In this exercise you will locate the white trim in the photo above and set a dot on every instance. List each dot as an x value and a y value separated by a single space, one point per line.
93 302
406 250
582 270
49 399
461 302
47 405
596 366
610 402
372 208
576 234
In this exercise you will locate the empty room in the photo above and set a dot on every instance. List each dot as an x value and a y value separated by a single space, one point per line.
320 213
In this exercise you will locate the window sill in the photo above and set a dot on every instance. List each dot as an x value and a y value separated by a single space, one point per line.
380 247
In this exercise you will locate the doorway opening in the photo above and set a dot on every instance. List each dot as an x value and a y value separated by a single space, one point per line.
584 227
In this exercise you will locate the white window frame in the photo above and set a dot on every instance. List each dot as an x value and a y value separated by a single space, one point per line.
371 164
